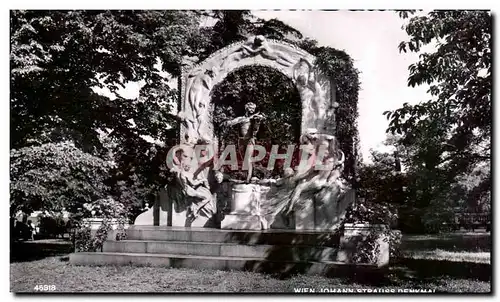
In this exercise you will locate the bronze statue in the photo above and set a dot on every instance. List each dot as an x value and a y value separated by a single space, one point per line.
249 125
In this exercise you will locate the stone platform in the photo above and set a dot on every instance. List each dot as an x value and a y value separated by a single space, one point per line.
282 251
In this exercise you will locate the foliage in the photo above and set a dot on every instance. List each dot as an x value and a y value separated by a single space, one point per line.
58 59
133 193
382 181
54 176
448 138
53 225
101 235
424 200
366 248
105 208
83 239
372 213
237 25
121 234
275 96
85 242
381 188
395 244
339 66
61 61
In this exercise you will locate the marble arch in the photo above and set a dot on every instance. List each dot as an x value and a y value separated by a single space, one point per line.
317 91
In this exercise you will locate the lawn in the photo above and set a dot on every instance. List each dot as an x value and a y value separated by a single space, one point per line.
455 242
455 256
47 263
57 271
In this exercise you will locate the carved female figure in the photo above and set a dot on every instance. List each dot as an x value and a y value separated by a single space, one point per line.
198 97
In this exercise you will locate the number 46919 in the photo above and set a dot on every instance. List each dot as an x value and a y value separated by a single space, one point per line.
45 288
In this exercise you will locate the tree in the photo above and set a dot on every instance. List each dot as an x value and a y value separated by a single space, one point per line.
55 176
61 59
58 61
339 66
58 58
449 135
380 182
238 25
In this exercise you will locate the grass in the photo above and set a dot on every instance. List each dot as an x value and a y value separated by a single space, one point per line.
57 271
444 263
438 254
470 242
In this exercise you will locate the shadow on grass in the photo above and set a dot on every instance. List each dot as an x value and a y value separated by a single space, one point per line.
293 253
410 273
24 251
415 272
453 242
300 251
427 268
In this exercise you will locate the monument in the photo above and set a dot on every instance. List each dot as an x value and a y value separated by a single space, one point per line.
316 199
206 218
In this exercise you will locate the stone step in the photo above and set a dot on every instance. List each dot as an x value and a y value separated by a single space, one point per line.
261 251
326 268
270 237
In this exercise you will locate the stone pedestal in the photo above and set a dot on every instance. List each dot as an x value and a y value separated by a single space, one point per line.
245 208
356 239
241 222
147 218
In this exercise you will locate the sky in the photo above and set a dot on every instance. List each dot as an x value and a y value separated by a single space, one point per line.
371 38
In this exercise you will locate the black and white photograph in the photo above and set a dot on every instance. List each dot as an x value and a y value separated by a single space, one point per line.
300 152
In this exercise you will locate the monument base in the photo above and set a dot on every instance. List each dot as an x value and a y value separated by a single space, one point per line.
372 239
284 252
147 218
243 222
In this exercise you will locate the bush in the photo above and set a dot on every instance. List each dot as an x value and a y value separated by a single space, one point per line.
83 239
107 208
366 248
84 242
372 213
52 226
101 235
375 213
395 241
104 208
121 234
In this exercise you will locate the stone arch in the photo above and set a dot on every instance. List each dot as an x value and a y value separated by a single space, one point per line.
316 90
